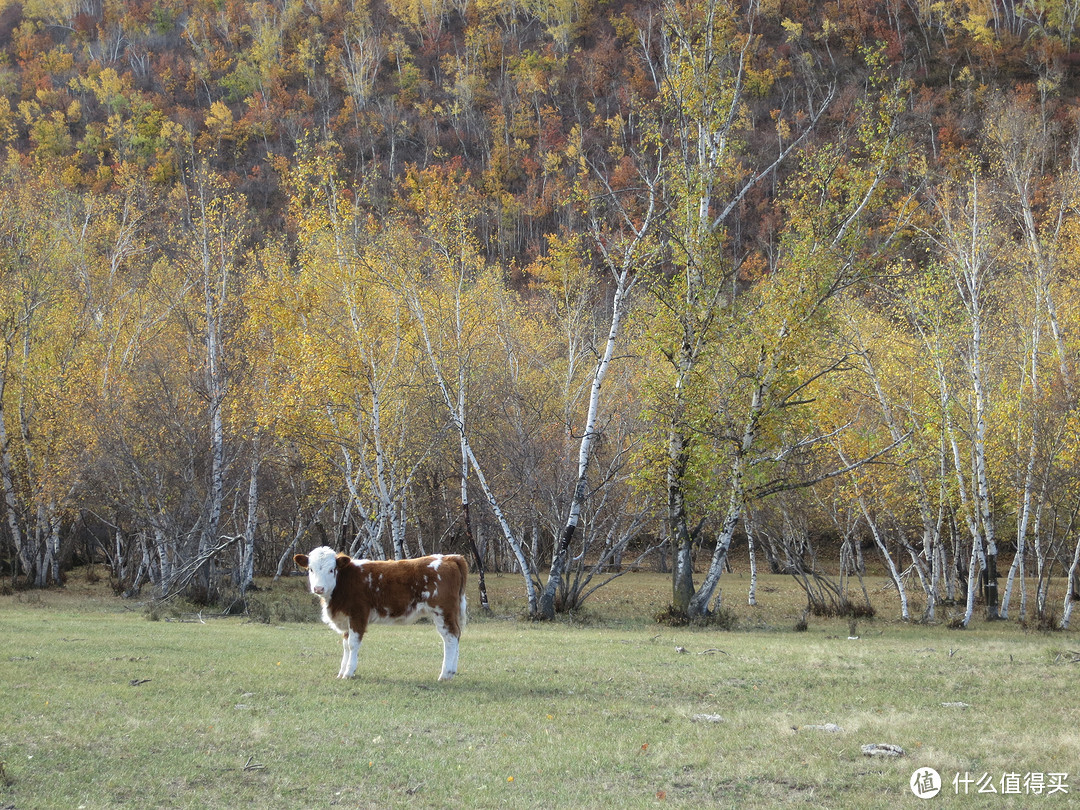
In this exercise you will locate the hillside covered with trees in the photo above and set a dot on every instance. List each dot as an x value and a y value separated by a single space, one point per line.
568 287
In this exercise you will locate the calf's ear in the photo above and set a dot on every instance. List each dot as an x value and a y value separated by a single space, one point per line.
343 560
301 561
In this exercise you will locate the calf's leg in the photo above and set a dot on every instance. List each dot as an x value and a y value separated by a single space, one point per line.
450 649
350 643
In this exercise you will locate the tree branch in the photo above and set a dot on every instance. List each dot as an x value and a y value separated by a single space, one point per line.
774 487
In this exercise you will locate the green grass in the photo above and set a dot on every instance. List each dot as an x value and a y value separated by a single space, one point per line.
105 708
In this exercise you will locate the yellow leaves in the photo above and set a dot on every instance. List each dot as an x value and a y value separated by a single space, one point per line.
977 25
550 162
563 270
55 295
7 121
574 151
109 88
219 121
792 30
419 13
50 9
172 133
783 126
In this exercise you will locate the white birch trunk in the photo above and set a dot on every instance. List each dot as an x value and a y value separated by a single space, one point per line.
699 604
11 511
558 560
879 541
512 541
119 563
932 550
1043 260
247 549
381 478
388 486
1067 608
1062 350
217 444
751 596
982 483
894 574
1022 150
1036 533
766 373
369 543
968 235
142 571
969 514
215 285
973 572
302 528
1018 564
52 555
466 516
166 551
1018 568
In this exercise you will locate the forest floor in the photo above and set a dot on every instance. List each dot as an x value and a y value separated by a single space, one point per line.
111 703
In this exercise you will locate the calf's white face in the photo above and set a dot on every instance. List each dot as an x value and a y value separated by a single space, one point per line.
322 571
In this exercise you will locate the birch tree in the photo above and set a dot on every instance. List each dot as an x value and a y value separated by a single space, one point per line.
31 294
702 86
284 396
626 250
715 324
1039 192
450 290
55 290
208 248
894 372
967 239
356 351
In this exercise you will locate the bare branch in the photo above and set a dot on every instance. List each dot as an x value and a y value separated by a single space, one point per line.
774 487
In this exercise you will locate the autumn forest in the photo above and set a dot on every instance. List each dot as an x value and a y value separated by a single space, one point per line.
569 287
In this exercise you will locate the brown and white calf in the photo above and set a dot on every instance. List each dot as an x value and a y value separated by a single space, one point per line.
356 593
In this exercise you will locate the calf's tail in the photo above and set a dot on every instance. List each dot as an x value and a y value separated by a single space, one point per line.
464 568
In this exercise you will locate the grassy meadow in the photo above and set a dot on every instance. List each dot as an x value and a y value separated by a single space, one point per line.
106 704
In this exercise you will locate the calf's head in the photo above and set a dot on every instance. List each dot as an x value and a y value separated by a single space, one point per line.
322 569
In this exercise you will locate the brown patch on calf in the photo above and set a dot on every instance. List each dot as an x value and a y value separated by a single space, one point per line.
398 588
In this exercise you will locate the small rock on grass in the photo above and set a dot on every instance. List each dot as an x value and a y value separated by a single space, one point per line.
882 750
707 718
